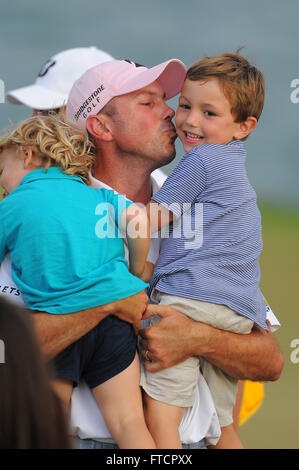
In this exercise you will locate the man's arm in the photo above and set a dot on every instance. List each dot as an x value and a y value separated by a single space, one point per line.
176 337
56 332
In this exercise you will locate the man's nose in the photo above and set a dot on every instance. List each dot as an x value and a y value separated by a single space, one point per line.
168 112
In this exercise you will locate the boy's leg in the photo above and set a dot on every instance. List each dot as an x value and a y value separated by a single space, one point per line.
120 401
223 387
238 404
166 395
168 392
229 439
163 421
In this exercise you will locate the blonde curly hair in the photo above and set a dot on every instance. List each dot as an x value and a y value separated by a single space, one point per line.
55 142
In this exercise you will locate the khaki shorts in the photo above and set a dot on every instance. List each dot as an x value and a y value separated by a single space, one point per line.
176 385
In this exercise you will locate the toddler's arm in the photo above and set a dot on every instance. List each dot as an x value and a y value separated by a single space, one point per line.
135 225
138 223
158 216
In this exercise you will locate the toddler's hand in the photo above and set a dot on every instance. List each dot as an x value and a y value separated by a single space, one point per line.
131 308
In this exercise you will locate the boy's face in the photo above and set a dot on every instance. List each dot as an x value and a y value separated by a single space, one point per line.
204 115
11 169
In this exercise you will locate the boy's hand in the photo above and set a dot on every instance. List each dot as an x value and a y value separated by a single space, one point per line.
130 309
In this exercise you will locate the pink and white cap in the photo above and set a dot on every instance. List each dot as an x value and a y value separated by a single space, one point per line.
98 85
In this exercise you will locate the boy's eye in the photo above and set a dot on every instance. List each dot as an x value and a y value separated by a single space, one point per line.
209 113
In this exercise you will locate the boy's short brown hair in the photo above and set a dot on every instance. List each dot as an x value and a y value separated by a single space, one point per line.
242 83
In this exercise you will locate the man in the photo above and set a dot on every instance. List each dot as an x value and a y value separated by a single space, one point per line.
134 135
128 124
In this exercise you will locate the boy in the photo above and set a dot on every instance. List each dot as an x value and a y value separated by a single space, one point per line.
215 278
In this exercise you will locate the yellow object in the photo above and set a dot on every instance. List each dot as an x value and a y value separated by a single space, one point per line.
252 399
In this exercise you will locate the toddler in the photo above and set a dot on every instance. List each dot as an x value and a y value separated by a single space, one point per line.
65 239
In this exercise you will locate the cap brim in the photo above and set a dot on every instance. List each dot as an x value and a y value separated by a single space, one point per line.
170 75
37 97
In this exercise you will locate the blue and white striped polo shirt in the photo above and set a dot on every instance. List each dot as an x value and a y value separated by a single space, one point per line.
212 252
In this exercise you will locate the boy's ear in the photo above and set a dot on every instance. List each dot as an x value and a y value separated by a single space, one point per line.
245 128
99 127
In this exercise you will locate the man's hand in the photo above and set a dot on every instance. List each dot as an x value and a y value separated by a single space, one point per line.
254 356
57 332
130 309
168 342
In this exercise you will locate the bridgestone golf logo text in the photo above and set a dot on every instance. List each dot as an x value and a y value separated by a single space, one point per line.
85 107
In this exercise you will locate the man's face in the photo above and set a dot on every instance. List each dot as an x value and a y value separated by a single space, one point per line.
142 125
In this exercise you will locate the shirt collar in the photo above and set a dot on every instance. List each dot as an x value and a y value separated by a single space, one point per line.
99 184
52 173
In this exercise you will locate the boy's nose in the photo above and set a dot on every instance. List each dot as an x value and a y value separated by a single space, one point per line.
193 119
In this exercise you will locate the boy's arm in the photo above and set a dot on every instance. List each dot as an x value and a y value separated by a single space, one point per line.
255 356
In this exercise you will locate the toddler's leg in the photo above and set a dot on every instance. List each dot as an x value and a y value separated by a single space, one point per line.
120 401
163 421
63 389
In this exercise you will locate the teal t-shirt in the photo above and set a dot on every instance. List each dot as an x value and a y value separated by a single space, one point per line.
67 253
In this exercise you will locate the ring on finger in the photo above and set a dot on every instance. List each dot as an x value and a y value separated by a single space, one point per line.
146 355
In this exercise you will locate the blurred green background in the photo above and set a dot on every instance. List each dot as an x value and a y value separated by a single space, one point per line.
151 32
275 425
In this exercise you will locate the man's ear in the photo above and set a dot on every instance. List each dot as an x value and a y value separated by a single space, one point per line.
27 155
245 128
99 127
